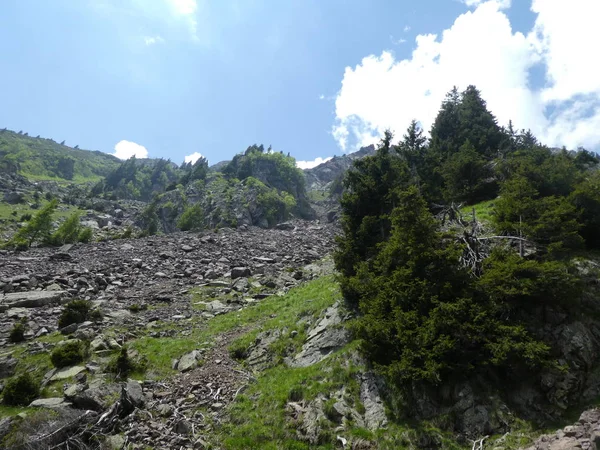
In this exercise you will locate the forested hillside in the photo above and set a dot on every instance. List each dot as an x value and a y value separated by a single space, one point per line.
41 158
448 301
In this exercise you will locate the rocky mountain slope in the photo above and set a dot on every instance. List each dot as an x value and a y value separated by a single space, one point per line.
238 337
243 341
320 177
158 295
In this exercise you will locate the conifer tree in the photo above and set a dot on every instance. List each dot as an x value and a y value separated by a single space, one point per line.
478 125
370 196
445 132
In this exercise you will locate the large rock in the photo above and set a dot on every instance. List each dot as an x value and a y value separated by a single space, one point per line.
188 361
584 434
216 307
52 403
374 415
97 398
260 357
7 366
239 272
14 197
67 372
32 299
133 395
324 339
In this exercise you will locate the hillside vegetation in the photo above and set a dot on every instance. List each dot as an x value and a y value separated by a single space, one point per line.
39 158
446 302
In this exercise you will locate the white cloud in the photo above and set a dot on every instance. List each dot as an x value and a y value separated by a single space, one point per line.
193 157
127 149
151 40
310 164
505 4
321 97
481 49
186 10
184 7
406 28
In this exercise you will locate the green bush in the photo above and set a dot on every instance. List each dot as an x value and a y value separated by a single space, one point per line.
123 365
21 390
68 231
137 308
38 228
17 334
424 319
191 219
238 350
69 353
127 232
95 315
150 218
85 235
78 311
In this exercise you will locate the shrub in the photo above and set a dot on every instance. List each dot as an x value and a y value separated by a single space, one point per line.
21 390
68 231
38 228
24 217
95 315
127 233
238 350
137 308
296 394
191 219
123 365
85 235
78 311
17 334
69 353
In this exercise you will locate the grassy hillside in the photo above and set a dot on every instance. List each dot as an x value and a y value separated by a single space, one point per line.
41 159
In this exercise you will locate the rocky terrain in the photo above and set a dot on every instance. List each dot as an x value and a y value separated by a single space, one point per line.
319 177
240 337
156 288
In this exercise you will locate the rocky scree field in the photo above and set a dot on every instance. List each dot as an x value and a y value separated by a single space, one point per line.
199 316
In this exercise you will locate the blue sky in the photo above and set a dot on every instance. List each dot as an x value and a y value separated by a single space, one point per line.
309 77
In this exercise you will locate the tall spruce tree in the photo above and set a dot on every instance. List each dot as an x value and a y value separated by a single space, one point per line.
445 132
478 125
412 148
370 196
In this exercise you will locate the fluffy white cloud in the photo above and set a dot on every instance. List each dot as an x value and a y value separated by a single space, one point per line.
151 40
310 164
481 49
127 149
193 157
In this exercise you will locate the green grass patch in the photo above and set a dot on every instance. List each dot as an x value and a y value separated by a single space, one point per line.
318 196
258 418
160 352
37 364
278 312
483 211
9 411
271 313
